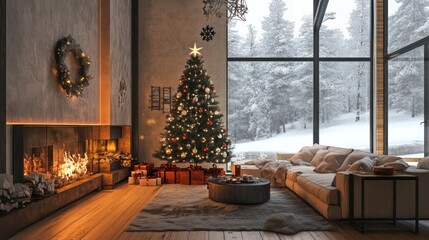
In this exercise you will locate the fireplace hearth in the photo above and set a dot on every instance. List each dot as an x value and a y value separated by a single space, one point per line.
65 154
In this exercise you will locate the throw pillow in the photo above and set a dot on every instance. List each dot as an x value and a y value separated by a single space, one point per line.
331 162
318 158
345 151
364 165
305 154
353 157
283 156
383 159
423 163
398 165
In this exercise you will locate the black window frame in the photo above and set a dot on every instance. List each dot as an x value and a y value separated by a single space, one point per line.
319 8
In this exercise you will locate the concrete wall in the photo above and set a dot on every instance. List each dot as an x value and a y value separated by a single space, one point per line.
33 28
167 29
120 62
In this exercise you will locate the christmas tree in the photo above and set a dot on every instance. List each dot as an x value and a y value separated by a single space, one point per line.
194 131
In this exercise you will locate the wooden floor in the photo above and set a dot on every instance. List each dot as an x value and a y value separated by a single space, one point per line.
106 215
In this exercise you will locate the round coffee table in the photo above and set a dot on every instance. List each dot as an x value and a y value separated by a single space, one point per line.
239 193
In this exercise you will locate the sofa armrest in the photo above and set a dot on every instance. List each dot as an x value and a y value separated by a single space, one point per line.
342 185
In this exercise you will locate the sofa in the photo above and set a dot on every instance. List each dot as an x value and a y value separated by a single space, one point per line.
320 176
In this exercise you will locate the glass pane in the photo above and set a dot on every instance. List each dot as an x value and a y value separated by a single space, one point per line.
345 104
276 28
270 106
408 22
345 31
406 104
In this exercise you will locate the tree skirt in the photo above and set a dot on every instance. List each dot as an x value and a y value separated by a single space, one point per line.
188 208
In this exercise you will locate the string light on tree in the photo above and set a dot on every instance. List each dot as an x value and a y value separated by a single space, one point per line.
195 121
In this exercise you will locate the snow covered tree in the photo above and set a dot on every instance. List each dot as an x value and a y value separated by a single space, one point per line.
406 77
277 41
359 45
194 131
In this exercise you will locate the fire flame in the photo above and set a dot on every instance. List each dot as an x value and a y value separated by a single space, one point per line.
73 167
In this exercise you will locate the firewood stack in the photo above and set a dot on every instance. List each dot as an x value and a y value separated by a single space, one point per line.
7 203
39 185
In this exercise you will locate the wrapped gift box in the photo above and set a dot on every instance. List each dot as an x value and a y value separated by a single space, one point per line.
170 175
192 177
131 180
144 166
144 182
154 181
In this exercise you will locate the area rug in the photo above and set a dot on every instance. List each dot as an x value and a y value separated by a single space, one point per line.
188 208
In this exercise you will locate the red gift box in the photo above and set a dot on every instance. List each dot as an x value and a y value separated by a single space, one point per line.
170 175
192 177
145 166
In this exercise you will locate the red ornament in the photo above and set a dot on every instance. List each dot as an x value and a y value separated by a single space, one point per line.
183 80
212 88
173 139
185 90
223 145
184 137
206 149
209 123
200 110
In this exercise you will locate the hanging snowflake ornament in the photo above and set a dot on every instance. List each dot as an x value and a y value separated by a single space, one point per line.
207 33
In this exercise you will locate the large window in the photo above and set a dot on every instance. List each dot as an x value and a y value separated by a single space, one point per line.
274 68
407 35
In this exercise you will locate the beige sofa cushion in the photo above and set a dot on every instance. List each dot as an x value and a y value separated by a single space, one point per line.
295 171
398 165
423 163
305 154
319 185
382 159
345 151
331 162
353 157
364 165
318 158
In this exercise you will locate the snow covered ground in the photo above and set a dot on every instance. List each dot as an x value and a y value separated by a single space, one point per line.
343 131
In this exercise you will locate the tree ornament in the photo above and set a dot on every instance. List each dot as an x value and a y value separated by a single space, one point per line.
207 90
217 150
206 149
182 80
203 139
209 123
219 136
168 151
179 95
184 112
200 110
185 90
223 145
207 33
188 146
183 155
63 46
195 99
194 151
216 112
224 154
184 137
179 108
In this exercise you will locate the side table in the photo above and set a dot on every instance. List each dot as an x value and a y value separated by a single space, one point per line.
363 177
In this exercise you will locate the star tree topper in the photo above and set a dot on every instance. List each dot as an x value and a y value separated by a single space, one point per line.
195 50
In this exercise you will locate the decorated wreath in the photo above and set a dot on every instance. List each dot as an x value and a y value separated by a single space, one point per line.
72 88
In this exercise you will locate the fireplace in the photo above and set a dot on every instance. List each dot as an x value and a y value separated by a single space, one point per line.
65 154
